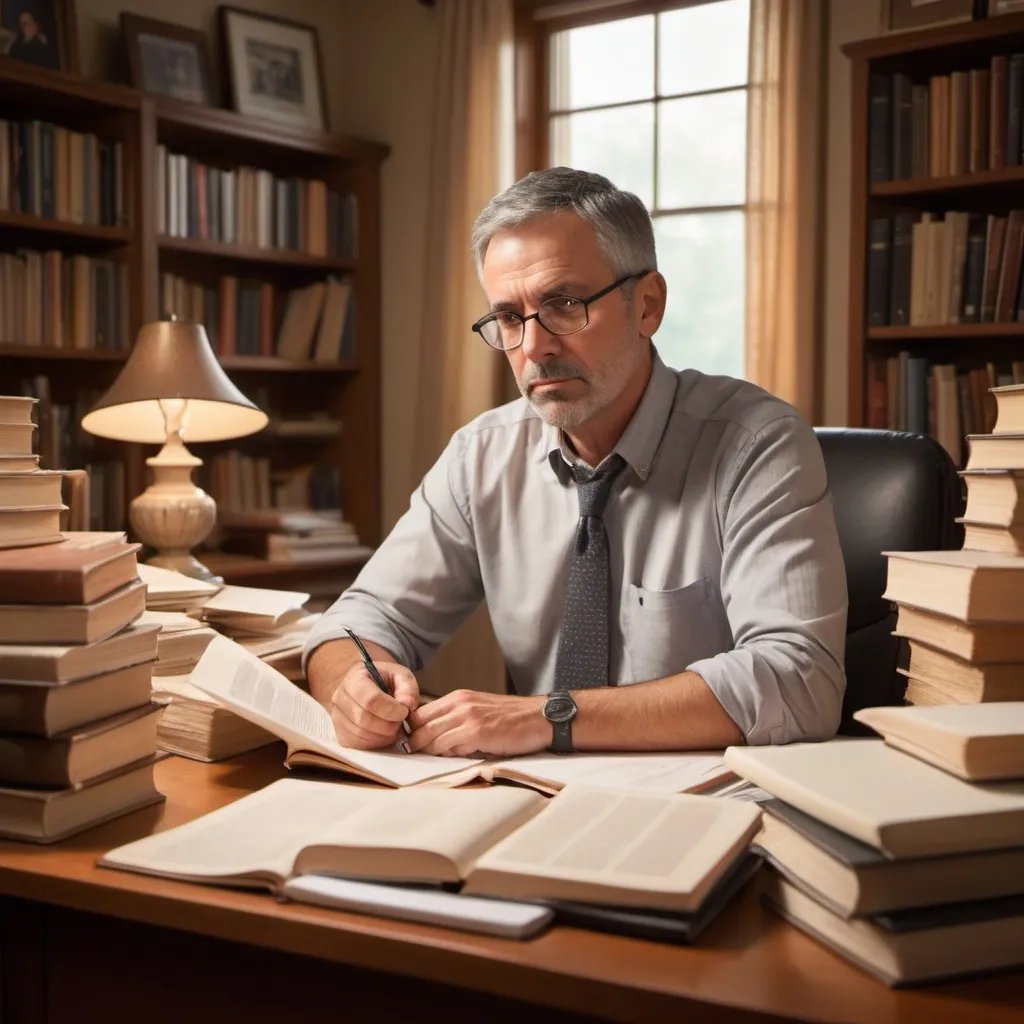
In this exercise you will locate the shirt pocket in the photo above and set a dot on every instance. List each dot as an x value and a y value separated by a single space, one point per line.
667 630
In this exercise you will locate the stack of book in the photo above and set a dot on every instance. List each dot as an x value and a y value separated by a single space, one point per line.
180 643
77 728
292 535
30 499
899 865
963 611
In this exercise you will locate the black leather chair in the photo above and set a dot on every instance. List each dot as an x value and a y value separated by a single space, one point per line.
892 492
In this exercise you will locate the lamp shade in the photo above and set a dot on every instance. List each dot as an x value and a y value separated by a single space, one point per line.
173 359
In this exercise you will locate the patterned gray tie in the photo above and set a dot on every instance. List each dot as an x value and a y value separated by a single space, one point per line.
582 660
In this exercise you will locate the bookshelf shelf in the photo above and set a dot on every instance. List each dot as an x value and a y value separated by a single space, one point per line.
1005 177
91 355
254 255
30 223
245 569
953 332
276 365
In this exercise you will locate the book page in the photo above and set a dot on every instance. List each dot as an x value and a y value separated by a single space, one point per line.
166 582
259 693
652 773
234 600
615 839
260 834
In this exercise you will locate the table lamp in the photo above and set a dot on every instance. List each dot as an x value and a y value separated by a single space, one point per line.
173 388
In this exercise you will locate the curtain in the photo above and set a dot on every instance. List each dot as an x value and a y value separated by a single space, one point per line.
459 376
785 147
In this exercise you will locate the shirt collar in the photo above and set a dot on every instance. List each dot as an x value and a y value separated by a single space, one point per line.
639 442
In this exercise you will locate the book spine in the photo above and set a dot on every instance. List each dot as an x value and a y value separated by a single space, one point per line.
919 132
880 128
993 267
879 258
979 127
902 126
974 270
1014 108
997 113
47 207
917 395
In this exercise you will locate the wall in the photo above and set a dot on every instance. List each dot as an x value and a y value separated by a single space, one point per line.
378 75
848 20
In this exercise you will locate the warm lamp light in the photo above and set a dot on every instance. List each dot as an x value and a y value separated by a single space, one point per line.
172 387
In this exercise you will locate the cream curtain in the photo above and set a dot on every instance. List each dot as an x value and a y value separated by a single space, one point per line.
460 377
785 147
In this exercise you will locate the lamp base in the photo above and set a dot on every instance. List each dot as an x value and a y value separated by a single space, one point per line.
172 515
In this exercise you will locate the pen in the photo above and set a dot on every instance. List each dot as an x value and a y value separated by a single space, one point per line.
375 676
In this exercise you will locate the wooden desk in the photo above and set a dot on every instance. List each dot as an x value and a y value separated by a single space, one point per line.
80 943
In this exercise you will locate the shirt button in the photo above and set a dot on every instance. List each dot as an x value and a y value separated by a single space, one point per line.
643 468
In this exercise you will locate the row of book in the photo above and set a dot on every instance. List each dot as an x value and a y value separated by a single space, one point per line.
291 535
961 123
965 268
240 483
249 206
253 318
51 171
907 392
63 301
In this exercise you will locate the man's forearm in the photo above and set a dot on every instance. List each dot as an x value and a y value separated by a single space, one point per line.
676 713
331 660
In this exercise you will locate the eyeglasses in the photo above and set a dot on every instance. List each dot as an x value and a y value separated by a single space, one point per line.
560 314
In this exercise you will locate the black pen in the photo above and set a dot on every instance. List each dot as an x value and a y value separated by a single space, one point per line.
376 677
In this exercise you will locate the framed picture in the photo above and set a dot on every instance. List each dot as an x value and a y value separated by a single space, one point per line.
40 32
1004 7
904 15
167 59
273 67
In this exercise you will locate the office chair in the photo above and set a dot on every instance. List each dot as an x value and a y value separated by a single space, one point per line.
892 492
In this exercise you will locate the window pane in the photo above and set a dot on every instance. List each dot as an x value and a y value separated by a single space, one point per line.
702 144
618 143
702 258
703 47
599 64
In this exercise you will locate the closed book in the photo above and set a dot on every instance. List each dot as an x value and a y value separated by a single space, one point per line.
81 754
980 104
977 742
995 451
959 227
1010 270
974 269
855 880
879 258
72 623
994 243
1009 409
902 126
917 395
982 537
998 112
16 409
37 524
957 681
995 497
938 119
38 488
899 292
80 569
948 428
880 127
1014 108
917 945
920 133
959 122
897 804
16 438
48 815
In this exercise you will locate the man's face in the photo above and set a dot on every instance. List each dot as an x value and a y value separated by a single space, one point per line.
29 28
571 378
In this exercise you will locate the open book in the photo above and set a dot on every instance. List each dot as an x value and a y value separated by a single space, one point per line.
598 845
260 694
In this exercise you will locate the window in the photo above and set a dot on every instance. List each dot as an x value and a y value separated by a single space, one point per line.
658 103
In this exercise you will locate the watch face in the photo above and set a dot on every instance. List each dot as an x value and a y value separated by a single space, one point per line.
560 709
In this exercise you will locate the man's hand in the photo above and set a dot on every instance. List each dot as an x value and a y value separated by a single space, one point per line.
464 722
366 718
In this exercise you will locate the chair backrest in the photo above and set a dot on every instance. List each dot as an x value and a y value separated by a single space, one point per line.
892 492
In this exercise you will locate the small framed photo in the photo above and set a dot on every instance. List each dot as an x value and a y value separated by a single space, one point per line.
168 59
273 68
906 15
40 32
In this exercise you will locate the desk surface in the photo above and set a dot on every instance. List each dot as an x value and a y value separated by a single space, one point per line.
748 962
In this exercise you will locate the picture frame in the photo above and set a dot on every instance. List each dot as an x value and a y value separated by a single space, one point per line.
997 7
273 67
40 32
168 59
908 15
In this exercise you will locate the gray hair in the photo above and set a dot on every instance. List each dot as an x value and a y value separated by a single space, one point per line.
620 220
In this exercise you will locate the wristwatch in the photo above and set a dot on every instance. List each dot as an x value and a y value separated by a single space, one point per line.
560 710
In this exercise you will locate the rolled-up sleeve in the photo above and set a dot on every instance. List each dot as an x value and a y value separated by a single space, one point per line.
423 581
784 588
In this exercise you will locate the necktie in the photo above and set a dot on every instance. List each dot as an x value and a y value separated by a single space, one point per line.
582 660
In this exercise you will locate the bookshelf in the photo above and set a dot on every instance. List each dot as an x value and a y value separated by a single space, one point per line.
924 152
134 130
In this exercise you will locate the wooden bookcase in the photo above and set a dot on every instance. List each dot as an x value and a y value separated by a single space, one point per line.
920 55
349 390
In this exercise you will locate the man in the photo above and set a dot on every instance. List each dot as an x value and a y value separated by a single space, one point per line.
626 524
32 44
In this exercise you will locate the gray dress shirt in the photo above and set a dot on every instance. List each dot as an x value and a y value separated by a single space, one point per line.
724 554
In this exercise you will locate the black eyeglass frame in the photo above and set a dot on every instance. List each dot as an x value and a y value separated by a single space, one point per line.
492 317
